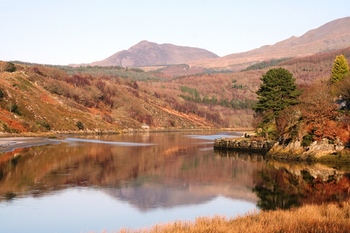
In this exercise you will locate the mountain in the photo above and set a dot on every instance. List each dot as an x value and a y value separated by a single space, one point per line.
331 36
147 53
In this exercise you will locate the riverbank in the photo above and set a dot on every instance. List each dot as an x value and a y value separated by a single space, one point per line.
8 144
309 218
293 151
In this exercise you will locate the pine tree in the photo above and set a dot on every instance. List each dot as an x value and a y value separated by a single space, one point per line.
340 69
277 92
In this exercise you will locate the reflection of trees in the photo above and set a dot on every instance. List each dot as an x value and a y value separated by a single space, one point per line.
281 189
171 163
276 189
281 185
335 189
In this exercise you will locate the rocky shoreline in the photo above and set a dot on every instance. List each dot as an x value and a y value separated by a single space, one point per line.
292 151
315 150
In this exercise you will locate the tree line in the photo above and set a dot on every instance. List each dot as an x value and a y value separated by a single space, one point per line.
286 111
192 94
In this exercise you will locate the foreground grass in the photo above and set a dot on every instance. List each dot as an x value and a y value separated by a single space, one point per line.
310 218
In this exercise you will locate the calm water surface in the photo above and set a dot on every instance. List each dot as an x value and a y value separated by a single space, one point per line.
111 182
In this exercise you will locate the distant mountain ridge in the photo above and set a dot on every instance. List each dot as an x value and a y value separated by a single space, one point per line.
147 53
330 36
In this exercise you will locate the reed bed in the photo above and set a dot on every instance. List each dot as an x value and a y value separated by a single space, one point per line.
310 218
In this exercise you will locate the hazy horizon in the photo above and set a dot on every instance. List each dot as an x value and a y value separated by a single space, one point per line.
65 32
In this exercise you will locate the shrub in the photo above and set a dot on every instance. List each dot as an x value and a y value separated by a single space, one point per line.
13 107
45 124
80 125
8 129
307 140
9 67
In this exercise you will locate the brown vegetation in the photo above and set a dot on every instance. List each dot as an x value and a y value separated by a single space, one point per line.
114 98
310 218
39 99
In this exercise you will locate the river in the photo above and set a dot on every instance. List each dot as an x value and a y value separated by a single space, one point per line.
110 182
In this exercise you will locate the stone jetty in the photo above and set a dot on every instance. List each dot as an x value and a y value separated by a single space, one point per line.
248 145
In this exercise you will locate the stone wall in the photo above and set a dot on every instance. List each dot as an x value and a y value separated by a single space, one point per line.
243 145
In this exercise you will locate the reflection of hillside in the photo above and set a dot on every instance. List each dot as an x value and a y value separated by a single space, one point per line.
193 174
174 171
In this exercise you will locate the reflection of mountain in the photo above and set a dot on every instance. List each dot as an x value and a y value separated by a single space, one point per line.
149 196
172 161
176 170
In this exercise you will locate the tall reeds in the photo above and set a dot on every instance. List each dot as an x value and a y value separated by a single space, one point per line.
310 218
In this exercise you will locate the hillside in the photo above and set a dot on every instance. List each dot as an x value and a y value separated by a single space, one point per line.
37 98
43 99
330 36
148 53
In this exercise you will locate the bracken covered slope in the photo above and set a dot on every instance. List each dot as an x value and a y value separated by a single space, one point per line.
42 99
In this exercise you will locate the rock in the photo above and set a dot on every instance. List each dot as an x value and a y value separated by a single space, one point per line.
320 148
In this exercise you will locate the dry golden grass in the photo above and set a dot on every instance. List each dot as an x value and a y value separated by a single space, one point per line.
310 218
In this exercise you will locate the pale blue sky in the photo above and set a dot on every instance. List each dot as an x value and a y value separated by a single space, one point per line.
81 31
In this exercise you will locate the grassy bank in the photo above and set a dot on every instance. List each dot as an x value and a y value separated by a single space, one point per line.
340 161
310 218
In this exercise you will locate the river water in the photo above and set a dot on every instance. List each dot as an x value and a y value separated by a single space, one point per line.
110 182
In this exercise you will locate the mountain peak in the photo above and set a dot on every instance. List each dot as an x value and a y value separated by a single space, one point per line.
147 53
142 43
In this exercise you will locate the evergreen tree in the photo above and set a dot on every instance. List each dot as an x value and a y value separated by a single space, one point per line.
340 69
277 92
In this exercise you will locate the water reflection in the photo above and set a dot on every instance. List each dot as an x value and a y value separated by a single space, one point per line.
173 173
158 172
106 142
282 185
92 210
281 188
